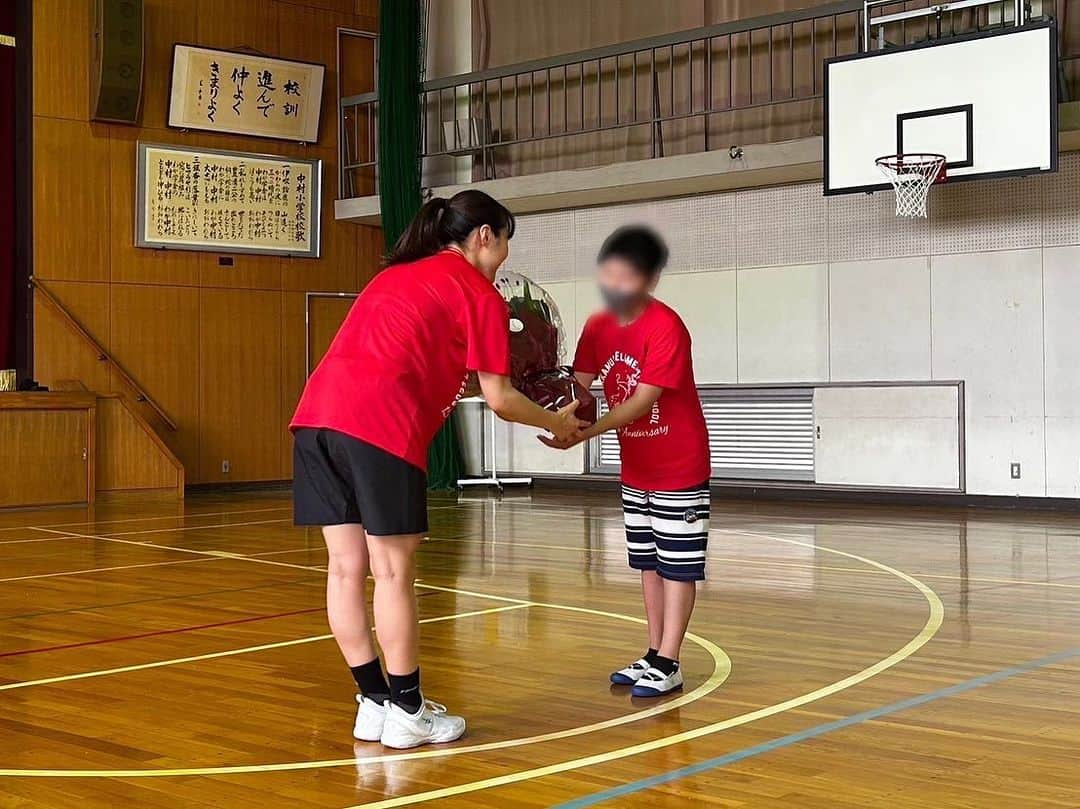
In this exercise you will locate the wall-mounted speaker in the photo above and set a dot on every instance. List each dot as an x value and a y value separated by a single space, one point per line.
117 61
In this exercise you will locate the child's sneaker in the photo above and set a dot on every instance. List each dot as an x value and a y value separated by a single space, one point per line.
631 674
654 683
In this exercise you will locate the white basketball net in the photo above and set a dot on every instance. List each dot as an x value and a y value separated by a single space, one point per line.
911 176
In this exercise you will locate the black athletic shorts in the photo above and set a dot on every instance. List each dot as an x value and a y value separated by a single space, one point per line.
339 479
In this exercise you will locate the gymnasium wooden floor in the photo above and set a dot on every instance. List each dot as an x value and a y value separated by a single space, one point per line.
164 655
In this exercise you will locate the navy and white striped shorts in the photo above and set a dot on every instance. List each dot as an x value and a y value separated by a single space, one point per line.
668 531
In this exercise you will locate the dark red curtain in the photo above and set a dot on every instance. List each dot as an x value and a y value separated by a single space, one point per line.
7 187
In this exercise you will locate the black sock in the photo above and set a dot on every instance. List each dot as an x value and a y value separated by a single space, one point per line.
650 656
369 679
405 691
665 664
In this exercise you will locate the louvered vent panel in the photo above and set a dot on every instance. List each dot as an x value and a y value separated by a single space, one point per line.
759 434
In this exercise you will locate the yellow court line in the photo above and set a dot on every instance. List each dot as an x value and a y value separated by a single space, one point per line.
510 545
929 629
84 675
721 670
931 626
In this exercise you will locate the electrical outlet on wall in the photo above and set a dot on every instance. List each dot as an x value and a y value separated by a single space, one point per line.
1014 470
226 467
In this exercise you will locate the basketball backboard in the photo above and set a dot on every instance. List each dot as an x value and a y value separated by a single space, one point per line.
986 100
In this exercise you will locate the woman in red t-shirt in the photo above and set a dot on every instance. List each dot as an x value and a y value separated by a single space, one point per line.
389 380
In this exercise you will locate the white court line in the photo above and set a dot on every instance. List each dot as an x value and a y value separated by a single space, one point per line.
63 678
76 535
210 556
192 515
197 527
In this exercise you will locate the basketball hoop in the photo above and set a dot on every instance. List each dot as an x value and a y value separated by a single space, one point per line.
911 176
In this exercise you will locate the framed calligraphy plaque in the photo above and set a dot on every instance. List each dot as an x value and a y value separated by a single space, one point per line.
244 94
236 202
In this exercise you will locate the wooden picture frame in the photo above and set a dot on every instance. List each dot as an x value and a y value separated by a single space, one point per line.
240 93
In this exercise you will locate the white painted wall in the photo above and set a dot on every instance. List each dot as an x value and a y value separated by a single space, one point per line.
785 285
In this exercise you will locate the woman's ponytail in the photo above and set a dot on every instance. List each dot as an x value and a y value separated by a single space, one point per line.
423 237
441 222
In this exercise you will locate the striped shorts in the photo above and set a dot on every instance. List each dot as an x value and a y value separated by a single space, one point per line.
668 531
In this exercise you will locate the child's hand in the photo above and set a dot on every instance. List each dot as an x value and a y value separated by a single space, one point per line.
567 443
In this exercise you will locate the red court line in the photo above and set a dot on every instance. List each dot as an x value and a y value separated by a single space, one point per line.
101 641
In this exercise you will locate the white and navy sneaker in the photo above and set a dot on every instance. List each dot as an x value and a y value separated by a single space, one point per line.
631 674
370 717
654 683
429 725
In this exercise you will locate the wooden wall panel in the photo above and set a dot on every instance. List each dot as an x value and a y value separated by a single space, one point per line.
371 250
343 6
59 353
220 348
62 58
240 370
368 10
155 336
326 317
237 25
71 200
292 350
165 22
127 457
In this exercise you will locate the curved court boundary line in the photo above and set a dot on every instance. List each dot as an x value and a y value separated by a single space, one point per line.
721 671
929 629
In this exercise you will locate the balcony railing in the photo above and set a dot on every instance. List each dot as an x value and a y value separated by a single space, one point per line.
689 91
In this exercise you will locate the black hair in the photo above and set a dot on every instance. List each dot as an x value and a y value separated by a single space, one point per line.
442 222
640 246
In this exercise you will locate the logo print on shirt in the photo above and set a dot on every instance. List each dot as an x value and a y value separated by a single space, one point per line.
627 372
446 411
690 516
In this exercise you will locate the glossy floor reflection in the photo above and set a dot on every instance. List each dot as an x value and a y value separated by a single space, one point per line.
157 654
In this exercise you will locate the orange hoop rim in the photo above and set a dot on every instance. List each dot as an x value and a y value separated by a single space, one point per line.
918 161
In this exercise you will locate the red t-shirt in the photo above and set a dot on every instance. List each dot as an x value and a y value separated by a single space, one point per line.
400 361
668 448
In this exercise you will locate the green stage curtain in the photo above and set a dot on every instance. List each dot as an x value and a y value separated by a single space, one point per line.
401 55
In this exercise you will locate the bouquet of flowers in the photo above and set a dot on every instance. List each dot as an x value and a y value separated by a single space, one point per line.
538 348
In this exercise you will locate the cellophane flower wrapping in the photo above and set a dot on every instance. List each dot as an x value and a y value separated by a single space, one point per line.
538 348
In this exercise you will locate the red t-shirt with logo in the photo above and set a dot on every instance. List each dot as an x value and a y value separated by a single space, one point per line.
668 448
400 361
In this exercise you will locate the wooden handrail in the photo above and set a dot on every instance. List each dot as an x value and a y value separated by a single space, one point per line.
102 355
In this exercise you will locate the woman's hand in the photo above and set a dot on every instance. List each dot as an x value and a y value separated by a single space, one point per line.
566 426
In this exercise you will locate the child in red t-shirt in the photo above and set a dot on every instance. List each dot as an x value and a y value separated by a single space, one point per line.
640 349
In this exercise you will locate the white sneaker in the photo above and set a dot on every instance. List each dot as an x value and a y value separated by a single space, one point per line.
654 683
370 717
631 674
429 725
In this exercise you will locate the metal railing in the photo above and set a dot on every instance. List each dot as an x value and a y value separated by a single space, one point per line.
682 86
